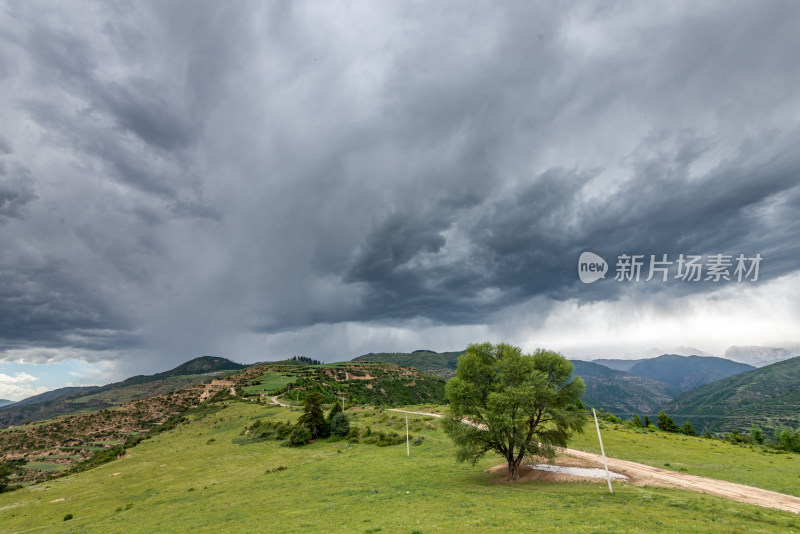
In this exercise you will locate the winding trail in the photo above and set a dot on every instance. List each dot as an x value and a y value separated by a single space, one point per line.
655 476
276 401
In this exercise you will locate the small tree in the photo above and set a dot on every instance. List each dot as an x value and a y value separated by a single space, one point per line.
688 429
513 404
758 435
313 417
339 425
666 423
636 421
647 422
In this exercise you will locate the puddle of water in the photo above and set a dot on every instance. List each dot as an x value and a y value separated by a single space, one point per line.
577 471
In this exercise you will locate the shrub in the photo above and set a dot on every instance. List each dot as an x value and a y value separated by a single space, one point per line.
299 437
5 473
339 425
68 517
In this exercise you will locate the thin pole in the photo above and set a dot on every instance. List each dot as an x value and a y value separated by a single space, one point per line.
408 448
605 464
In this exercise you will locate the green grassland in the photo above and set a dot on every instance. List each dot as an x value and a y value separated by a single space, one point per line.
195 478
754 466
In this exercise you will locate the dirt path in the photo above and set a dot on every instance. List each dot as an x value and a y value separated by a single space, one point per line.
276 401
647 475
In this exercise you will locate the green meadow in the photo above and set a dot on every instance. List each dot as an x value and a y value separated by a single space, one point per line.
751 465
195 478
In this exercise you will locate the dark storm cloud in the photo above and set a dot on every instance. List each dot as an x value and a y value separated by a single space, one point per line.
15 192
200 171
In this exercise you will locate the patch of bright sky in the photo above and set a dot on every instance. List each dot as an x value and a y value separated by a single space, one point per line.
21 380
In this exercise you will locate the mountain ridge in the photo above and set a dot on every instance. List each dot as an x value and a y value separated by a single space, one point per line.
767 397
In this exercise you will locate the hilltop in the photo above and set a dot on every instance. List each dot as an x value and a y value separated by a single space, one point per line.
768 397
65 401
442 364
359 382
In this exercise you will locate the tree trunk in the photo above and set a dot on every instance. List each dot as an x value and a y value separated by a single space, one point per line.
513 469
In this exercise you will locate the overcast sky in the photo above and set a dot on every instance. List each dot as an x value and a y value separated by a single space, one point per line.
259 180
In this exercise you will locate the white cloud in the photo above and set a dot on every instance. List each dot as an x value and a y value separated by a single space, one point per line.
16 393
15 387
16 379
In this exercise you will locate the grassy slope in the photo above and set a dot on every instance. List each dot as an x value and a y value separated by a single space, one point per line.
181 481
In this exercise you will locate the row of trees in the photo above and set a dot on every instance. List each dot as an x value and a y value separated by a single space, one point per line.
306 360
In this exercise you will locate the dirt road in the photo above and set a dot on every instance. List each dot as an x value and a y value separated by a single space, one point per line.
642 474
276 401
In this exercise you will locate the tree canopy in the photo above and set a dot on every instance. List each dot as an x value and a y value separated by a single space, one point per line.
513 404
313 417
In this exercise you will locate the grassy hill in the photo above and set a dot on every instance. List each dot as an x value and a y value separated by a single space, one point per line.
687 372
621 393
201 477
65 401
442 364
768 397
59 444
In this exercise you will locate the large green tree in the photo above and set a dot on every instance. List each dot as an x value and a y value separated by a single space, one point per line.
514 404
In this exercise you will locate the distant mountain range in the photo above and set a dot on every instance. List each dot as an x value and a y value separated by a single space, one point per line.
73 399
768 397
5 402
617 392
621 393
682 372
622 387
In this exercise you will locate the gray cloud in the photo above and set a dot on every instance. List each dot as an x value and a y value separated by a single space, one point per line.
201 175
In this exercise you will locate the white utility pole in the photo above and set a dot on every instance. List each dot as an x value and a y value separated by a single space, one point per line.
408 448
605 464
